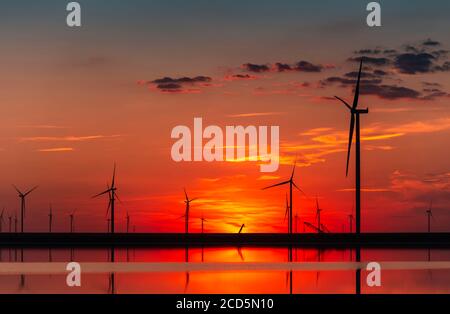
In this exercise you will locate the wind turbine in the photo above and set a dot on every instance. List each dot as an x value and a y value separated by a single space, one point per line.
72 219
296 222
286 213
354 121
10 224
2 220
242 227
50 219
111 191
203 221
430 215
187 201
15 222
128 222
22 197
350 221
291 185
318 211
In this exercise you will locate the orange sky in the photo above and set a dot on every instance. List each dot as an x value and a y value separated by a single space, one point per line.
74 103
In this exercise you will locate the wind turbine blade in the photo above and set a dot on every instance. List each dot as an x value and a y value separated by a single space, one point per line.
344 102
99 194
278 184
30 191
185 195
196 198
355 100
18 191
350 139
107 209
317 203
118 198
293 169
295 185
114 176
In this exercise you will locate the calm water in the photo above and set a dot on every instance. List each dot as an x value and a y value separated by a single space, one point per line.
333 281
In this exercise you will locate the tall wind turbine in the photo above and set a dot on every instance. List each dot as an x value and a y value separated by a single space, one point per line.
187 201
429 215
111 191
291 185
50 219
2 220
354 122
22 197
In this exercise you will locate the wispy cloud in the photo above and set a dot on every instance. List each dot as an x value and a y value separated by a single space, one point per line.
255 114
55 150
67 138
373 190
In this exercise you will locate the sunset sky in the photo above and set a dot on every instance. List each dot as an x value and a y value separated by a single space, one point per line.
75 101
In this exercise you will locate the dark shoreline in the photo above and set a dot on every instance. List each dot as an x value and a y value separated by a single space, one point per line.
327 240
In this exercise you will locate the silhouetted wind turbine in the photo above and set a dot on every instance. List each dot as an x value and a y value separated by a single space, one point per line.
10 223
291 185
309 225
2 220
111 191
128 222
296 222
22 197
72 218
429 215
15 222
242 227
50 219
203 221
354 121
286 213
318 211
350 221
187 201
